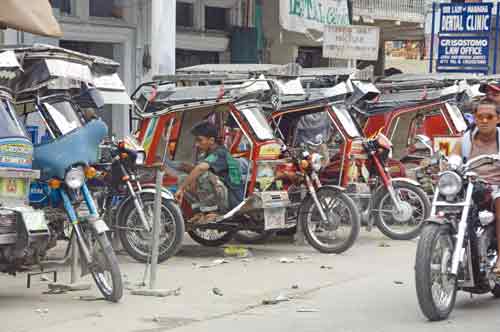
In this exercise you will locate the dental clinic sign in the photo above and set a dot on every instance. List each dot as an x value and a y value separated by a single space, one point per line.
303 15
464 37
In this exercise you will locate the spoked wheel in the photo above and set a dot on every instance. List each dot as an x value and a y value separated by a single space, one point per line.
251 237
137 241
403 222
436 287
211 237
104 267
339 232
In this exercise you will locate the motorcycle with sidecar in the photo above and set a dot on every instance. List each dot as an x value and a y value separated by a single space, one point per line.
167 114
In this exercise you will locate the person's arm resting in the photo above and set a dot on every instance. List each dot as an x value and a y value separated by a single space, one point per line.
194 174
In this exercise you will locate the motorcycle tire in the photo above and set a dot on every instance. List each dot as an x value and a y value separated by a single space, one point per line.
108 261
167 249
308 207
386 229
423 279
220 239
251 237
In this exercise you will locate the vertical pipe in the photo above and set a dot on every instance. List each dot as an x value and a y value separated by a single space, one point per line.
431 55
495 54
156 228
163 37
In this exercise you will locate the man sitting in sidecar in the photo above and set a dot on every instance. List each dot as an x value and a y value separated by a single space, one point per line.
215 183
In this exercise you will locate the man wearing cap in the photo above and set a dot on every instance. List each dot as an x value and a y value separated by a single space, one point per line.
492 91
484 139
226 190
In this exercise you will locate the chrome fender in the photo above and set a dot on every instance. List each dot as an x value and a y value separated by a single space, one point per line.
410 181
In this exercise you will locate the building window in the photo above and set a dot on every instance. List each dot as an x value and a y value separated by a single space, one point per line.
106 8
184 13
65 6
216 18
188 58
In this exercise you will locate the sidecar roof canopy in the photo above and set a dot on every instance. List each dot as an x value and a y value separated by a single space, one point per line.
433 80
49 67
9 70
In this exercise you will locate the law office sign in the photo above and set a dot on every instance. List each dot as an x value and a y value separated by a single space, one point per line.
464 37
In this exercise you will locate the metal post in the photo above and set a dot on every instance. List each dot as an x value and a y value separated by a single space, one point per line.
431 55
495 54
156 228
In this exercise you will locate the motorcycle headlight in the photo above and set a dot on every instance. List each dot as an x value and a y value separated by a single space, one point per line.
316 161
449 183
75 178
140 158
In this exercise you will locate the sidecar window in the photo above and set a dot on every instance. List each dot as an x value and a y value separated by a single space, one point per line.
64 116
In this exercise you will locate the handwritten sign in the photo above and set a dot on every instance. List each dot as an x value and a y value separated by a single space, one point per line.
351 42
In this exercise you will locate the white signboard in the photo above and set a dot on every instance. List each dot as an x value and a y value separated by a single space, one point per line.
351 42
302 15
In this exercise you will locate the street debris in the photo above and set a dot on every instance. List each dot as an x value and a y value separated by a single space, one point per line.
384 245
90 298
237 251
326 267
214 263
44 279
60 288
42 311
307 310
217 291
286 260
157 292
302 257
276 300
397 282
295 286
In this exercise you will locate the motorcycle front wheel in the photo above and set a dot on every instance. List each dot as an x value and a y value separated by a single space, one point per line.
436 288
137 241
341 229
105 270
403 222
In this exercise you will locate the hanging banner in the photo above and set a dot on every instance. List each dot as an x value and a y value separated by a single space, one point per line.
303 15
466 17
351 42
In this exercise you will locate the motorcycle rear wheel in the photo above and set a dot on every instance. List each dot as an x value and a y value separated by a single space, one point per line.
432 265
341 212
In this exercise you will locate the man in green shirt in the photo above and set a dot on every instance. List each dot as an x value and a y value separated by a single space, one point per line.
227 189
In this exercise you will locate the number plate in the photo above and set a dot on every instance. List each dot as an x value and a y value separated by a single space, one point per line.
100 226
274 218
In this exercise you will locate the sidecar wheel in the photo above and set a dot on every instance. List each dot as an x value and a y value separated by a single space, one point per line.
211 237
496 291
341 229
251 237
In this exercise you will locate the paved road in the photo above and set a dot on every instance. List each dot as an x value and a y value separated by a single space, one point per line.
369 288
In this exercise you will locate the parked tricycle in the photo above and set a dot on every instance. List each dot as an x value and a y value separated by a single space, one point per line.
168 113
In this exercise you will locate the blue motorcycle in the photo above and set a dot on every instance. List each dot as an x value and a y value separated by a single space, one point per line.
64 148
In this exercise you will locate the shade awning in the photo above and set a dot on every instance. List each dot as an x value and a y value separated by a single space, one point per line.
33 16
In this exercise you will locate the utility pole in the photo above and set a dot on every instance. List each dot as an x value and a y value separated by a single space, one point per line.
163 37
